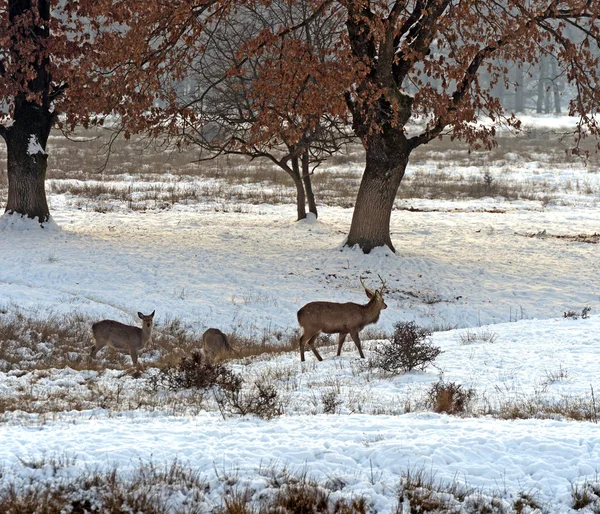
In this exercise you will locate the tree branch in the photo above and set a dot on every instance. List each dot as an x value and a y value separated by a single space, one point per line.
420 29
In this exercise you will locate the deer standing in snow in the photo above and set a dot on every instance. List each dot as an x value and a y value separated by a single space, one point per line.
339 318
124 338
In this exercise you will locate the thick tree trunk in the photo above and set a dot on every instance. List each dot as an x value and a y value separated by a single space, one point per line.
387 157
26 138
27 161
310 195
300 196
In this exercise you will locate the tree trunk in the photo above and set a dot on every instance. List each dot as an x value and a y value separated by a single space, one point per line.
557 108
541 85
310 196
26 138
300 196
387 156
27 161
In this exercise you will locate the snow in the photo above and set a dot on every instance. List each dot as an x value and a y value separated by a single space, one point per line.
542 456
34 147
15 223
472 266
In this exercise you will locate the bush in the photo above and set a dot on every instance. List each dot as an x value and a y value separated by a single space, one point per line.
195 372
260 400
585 313
330 401
408 348
449 397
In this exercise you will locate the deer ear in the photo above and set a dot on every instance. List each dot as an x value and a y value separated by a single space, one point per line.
152 315
369 293
140 315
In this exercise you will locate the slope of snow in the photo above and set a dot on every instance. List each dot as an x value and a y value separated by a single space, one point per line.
248 272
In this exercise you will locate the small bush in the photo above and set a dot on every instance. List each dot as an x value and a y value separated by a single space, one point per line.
408 348
195 372
331 402
571 314
449 397
260 400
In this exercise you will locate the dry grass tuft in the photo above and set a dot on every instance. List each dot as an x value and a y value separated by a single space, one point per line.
586 496
420 493
450 397
152 490
477 336
536 407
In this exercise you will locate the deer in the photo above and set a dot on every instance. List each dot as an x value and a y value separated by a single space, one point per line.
339 318
125 338
215 344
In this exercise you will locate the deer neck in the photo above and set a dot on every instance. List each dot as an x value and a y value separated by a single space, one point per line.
372 310
146 334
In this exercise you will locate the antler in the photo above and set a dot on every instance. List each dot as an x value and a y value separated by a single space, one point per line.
364 286
382 284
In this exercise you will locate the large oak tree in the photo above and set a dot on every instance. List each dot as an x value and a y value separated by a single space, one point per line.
57 67
405 63
394 64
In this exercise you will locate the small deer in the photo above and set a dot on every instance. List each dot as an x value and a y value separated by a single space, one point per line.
124 338
339 318
215 344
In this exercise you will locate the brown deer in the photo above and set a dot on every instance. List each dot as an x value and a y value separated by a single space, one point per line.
339 318
215 344
124 338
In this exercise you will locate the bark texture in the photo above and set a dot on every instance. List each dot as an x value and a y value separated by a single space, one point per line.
300 196
27 162
387 157
310 195
33 115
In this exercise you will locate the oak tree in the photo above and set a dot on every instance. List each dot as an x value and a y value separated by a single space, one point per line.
409 71
58 68
234 95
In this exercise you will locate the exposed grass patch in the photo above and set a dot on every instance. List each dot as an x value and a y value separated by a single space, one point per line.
419 492
586 496
450 397
145 175
574 238
477 336
151 489
535 407
173 488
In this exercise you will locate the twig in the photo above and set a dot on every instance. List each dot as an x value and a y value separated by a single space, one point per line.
594 405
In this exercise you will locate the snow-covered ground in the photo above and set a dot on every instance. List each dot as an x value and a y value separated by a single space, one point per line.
490 266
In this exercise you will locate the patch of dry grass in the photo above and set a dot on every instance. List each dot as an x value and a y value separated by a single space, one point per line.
419 492
171 488
151 489
577 408
78 167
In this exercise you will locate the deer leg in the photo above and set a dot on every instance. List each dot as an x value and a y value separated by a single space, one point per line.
93 352
301 344
341 340
354 336
311 343
134 356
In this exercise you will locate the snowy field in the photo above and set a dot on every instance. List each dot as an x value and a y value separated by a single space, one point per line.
491 277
